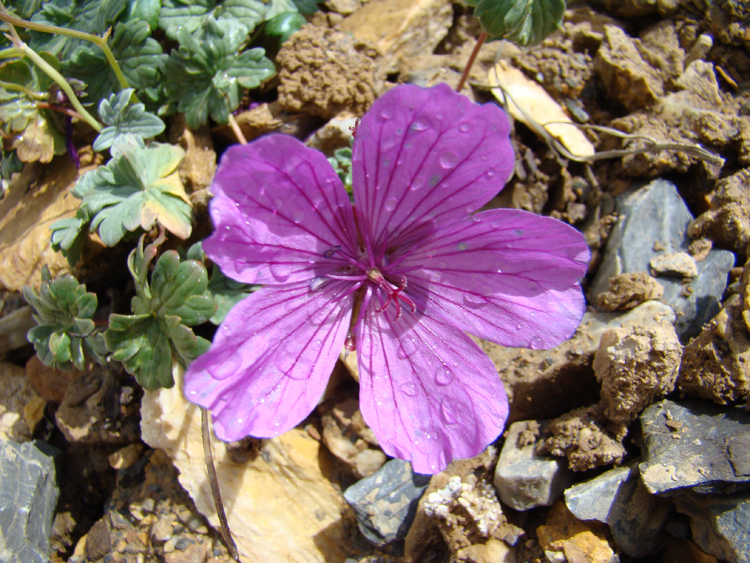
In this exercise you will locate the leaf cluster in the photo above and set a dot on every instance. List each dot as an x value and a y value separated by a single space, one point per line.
525 22
342 164
157 334
65 332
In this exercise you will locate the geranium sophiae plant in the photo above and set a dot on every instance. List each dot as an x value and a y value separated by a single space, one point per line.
400 278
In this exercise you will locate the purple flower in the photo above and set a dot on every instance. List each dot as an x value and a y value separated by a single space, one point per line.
400 277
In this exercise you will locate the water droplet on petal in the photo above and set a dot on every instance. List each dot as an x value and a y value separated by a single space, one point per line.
442 264
409 389
434 179
533 286
443 376
386 112
447 412
448 160
298 215
390 205
417 183
279 271
464 127
420 124
518 232
519 326
474 301
491 174
536 343
461 246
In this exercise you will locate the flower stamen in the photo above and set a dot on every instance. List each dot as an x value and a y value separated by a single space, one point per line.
394 293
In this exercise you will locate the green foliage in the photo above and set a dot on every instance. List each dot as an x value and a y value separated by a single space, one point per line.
138 187
342 164
280 28
28 128
525 22
123 117
156 335
68 235
205 75
65 329
138 55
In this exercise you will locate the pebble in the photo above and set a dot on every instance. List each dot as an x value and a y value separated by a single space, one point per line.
385 503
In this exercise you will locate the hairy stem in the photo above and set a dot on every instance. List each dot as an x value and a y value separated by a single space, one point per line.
470 63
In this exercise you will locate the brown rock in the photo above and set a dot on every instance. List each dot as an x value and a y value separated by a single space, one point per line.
13 328
636 366
579 542
401 29
38 198
627 291
50 383
324 72
727 223
21 407
628 78
199 165
583 437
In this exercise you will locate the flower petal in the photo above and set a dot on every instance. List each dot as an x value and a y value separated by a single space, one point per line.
426 156
427 391
271 359
278 208
504 275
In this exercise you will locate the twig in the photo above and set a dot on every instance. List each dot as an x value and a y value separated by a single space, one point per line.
215 491
470 63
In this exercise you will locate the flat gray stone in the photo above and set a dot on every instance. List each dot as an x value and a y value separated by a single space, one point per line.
617 498
28 496
656 215
694 444
386 502
720 524
525 480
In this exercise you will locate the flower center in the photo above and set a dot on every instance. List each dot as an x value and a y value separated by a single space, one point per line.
393 294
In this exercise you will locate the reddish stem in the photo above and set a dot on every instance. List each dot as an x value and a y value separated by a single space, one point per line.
482 38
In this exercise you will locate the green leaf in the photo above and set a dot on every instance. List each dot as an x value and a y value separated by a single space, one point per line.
150 341
227 293
525 22
342 164
307 6
122 117
206 74
184 14
276 7
63 313
28 127
138 54
145 10
249 13
69 234
137 188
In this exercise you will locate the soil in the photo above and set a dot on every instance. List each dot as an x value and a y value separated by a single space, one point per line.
668 70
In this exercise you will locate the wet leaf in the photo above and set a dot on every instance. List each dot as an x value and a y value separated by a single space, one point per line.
205 76
525 22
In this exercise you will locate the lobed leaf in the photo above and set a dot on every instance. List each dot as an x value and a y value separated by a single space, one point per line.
525 22
205 75
123 117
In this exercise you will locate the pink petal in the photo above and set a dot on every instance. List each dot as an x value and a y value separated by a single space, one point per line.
503 275
271 359
427 391
278 208
424 157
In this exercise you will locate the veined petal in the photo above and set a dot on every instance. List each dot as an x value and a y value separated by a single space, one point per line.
427 390
423 157
278 208
271 359
504 275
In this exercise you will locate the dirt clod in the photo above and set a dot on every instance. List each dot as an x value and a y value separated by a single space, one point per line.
627 291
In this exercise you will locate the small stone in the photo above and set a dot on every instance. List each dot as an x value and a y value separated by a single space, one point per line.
679 264
125 457
702 457
636 366
385 503
627 291
28 495
343 7
656 212
617 498
19 404
524 479
719 524
578 541
162 530
50 383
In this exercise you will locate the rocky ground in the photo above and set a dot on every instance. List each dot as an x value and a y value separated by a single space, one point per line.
628 442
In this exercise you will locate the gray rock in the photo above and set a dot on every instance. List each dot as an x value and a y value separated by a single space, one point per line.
525 480
694 444
656 215
28 496
385 503
619 499
720 524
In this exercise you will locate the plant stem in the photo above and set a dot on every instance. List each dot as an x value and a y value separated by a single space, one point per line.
236 128
19 88
101 42
59 79
470 63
